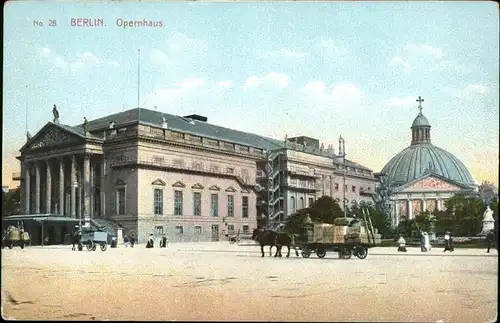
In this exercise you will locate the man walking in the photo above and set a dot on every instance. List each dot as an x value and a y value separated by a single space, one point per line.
448 242
490 239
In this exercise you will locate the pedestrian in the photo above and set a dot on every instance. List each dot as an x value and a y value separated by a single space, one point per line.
163 241
448 242
490 239
427 242
422 242
132 240
126 241
402 244
151 242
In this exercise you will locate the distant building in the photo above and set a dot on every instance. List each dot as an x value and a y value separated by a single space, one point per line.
159 173
422 176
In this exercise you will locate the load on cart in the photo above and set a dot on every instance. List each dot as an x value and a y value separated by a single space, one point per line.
90 238
15 236
347 236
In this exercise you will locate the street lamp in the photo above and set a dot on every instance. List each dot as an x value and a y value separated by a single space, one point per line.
76 185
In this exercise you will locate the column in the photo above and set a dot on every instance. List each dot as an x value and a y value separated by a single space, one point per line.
37 188
92 189
61 185
73 189
86 185
102 190
410 209
424 204
48 188
396 207
438 204
26 176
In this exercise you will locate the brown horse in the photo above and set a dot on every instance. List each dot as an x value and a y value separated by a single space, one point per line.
272 238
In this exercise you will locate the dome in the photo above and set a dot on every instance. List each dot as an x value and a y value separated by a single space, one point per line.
420 120
414 161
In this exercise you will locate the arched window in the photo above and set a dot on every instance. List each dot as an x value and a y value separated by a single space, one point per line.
293 204
301 203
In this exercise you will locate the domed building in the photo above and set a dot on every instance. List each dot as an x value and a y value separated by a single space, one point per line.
422 176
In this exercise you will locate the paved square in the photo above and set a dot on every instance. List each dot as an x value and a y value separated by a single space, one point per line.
219 281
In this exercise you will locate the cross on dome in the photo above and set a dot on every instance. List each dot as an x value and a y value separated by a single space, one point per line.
420 100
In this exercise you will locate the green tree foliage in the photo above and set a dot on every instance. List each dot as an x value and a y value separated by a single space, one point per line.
11 202
324 210
380 221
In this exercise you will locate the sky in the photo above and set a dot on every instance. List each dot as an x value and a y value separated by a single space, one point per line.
319 69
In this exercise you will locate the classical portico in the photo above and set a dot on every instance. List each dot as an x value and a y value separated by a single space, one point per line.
51 162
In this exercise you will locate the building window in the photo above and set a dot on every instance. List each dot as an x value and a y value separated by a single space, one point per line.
214 204
229 170
246 229
179 229
293 181
158 201
301 203
354 188
177 202
244 206
197 229
230 205
197 203
120 194
311 201
336 186
158 230
293 203
230 228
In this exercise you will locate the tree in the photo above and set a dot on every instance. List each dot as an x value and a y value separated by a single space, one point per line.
11 202
324 210
463 215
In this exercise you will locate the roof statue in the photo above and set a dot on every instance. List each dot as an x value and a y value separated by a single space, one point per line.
86 129
322 147
28 136
56 114
420 100
164 123
112 124
286 138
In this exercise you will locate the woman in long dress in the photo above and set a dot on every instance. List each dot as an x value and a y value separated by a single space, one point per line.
427 242
402 244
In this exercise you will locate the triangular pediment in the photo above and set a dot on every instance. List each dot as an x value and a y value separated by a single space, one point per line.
230 189
53 135
159 182
179 184
432 182
214 188
197 186
245 191
120 182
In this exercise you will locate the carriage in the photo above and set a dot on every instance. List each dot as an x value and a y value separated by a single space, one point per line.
233 238
346 236
15 236
90 239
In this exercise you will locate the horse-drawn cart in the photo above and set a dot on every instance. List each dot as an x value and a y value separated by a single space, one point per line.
346 236
91 239
15 236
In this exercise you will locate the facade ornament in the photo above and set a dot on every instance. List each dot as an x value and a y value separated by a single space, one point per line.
112 124
56 114
85 126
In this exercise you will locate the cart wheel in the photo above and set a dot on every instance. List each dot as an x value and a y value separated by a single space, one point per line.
90 245
80 247
22 245
306 252
347 254
104 246
232 241
94 247
11 245
361 252
321 253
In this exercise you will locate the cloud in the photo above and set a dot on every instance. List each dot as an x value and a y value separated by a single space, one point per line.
469 92
401 102
179 91
338 95
283 53
272 79
397 60
331 50
179 49
422 55
114 63
53 58
84 60
224 84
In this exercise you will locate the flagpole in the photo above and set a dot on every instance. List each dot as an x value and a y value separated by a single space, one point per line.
138 83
